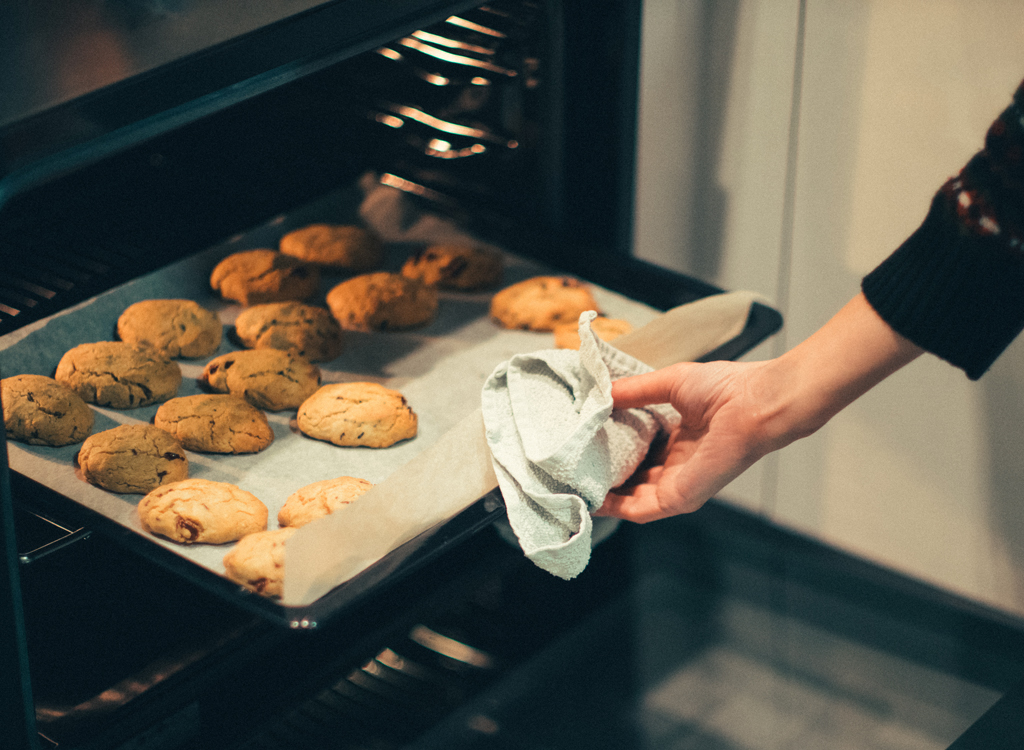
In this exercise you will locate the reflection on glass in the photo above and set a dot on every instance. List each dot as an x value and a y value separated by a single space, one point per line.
53 52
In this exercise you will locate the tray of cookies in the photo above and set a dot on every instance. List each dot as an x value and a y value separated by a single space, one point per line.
214 406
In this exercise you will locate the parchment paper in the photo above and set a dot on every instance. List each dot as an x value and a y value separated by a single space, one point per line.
456 471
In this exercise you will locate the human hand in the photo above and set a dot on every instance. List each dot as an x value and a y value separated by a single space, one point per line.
733 413
724 428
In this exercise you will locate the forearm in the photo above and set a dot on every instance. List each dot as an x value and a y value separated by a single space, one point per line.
850 354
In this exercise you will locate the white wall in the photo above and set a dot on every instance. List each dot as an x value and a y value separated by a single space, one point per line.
924 474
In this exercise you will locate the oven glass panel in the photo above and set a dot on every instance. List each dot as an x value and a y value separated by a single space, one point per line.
59 51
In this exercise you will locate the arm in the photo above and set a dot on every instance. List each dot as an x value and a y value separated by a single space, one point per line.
734 413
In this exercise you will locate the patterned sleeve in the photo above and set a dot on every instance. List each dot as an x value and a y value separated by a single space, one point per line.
956 286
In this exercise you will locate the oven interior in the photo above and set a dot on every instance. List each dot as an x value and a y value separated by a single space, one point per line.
472 646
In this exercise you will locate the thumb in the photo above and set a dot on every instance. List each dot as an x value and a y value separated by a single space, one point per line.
648 388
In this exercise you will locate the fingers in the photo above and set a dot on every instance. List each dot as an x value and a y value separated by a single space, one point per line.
641 505
648 496
648 388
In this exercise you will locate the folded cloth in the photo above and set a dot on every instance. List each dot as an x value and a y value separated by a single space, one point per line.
558 446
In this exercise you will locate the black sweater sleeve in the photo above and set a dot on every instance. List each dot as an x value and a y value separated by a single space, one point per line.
956 286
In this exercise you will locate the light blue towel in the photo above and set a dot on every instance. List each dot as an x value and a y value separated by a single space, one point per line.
558 447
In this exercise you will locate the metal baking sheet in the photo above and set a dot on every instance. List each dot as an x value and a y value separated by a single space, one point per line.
440 368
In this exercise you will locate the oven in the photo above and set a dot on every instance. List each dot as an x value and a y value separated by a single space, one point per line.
138 139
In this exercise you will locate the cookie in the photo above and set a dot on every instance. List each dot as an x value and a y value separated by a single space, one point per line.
351 414
567 335
382 301
319 499
201 511
132 458
311 332
542 302
454 267
335 246
251 277
215 424
257 561
270 379
118 374
40 411
174 327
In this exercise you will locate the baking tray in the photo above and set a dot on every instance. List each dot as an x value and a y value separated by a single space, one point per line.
440 369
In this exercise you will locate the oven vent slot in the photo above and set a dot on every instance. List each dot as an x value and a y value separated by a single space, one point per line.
40 281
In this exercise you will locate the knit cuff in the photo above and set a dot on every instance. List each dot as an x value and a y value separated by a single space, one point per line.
954 293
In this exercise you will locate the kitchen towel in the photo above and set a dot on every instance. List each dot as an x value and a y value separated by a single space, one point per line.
557 445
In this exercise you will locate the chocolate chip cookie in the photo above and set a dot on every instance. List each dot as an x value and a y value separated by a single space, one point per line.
320 499
215 423
257 561
542 302
309 331
132 458
250 277
454 267
174 327
357 414
335 246
201 511
382 301
118 374
40 411
567 335
271 379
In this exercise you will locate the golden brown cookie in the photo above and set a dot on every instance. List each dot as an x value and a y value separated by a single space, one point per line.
451 266
132 458
251 277
320 499
270 379
542 302
215 423
40 411
567 335
351 414
174 327
118 374
257 561
382 301
202 511
312 332
335 246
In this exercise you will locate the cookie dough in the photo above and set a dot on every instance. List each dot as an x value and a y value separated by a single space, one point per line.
311 332
542 302
132 458
335 245
567 335
174 327
357 414
215 423
257 561
118 374
382 301
40 411
454 267
195 511
270 379
320 499
250 277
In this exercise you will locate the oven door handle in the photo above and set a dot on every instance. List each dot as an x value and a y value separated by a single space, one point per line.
17 707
